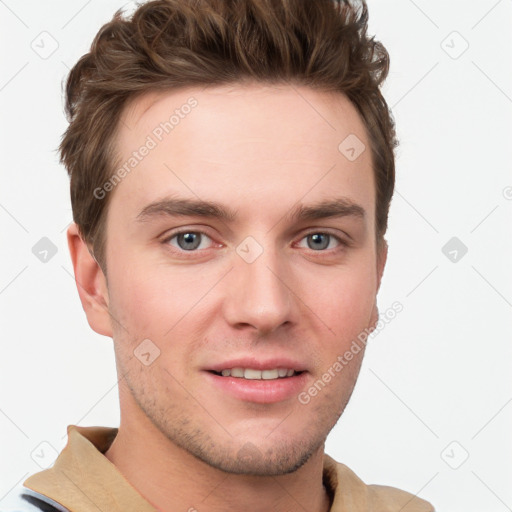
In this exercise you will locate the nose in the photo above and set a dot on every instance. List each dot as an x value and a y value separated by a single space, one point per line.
260 294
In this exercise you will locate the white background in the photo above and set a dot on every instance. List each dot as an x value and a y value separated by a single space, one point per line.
435 385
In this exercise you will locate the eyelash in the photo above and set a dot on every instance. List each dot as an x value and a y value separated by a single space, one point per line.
342 243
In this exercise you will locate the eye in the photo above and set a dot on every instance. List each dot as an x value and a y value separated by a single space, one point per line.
319 241
187 240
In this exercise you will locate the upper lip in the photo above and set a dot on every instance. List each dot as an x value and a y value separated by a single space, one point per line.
258 364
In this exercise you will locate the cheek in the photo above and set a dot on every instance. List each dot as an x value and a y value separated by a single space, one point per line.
162 306
150 298
136 305
346 301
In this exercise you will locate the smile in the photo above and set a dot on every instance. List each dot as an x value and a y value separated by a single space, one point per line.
253 374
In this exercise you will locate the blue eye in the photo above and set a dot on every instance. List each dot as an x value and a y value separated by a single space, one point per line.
187 240
320 241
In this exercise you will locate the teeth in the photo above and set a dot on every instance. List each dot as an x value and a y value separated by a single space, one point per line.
237 372
251 374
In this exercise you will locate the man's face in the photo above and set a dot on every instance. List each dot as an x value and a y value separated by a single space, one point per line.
263 290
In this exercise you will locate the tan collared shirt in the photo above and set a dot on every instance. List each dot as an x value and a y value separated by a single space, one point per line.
84 480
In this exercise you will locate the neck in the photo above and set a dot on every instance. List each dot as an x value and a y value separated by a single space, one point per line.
172 479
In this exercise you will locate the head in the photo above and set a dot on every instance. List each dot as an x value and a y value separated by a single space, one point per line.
231 169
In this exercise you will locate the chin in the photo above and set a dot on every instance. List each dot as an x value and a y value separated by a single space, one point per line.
253 461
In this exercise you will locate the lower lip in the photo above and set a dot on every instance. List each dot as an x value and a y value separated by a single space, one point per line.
260 391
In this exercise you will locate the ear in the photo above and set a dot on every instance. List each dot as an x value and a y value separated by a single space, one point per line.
382 256
91 283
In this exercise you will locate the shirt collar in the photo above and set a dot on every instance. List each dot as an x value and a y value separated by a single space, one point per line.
83 479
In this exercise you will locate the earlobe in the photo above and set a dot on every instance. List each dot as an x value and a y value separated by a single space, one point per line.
90 282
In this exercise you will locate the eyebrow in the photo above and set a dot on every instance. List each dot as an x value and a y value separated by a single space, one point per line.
184 207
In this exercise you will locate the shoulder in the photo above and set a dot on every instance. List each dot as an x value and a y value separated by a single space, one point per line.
350 490
390 499
22 499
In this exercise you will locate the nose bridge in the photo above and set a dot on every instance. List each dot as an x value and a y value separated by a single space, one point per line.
258 292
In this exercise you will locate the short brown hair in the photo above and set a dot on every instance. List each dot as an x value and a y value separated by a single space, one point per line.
171 44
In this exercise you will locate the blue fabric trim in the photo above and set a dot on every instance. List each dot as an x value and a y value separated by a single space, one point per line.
22 499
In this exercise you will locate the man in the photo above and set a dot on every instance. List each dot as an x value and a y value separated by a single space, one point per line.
231 169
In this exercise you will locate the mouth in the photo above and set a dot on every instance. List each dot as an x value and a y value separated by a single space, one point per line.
267 384
255 374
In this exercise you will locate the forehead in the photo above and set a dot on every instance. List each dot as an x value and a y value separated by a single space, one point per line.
297 102
251 141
